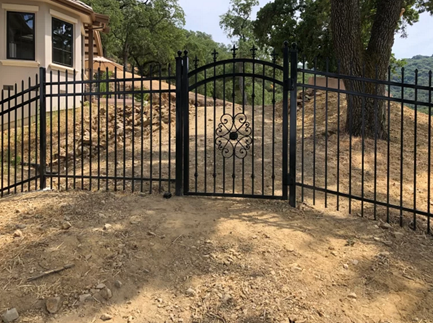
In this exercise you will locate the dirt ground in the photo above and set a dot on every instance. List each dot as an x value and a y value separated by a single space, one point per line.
206 260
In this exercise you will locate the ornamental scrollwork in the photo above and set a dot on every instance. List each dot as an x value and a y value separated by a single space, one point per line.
233 136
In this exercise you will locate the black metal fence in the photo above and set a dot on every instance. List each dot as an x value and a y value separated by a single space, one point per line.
386 178
241 127
113 132
20 132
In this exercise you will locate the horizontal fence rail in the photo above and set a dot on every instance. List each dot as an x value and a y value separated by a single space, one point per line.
235 127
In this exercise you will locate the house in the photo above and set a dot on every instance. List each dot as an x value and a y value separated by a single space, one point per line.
59 35
47 33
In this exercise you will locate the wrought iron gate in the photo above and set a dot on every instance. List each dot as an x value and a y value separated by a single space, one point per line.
237 147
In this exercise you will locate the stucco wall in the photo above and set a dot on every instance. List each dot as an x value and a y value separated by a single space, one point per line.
23 70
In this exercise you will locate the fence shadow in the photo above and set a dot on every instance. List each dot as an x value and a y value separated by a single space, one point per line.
245 260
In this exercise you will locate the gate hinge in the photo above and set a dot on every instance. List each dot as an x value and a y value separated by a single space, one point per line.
290 84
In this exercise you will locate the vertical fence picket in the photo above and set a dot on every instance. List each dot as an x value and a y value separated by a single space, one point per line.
133 130
293 122
415 151
388 147
401 146
179 126
429 160
66 130
2 144
284 148
338 134
185 111
43 129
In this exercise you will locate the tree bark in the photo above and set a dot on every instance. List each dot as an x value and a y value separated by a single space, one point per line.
241 84
125 56
365 116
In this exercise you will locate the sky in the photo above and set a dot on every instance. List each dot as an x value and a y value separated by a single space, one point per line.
204 15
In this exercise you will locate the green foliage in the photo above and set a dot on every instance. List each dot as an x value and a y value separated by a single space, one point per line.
141 97
142 32
307 22
238 25
424 66
8 157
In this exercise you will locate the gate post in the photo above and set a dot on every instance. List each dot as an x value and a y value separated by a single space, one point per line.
293 121
185 110
43 129
179 125
286 88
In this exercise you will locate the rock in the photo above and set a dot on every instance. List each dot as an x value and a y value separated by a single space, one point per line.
53 304
355 262
151 233
134 220
226 298
10 315
107 226
106 317
106 293
66 225
84 298
118 284
296 268
397 235
385 225
387 243
18 234
100 286
21 226
190 292
346 266
352 296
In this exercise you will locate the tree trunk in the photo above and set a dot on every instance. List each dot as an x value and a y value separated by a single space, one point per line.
125 56
365 116
241 84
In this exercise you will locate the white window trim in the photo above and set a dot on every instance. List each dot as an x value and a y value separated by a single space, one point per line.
19 63
63 17
61 68
19 7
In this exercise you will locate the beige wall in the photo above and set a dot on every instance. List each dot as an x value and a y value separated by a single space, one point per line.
13 71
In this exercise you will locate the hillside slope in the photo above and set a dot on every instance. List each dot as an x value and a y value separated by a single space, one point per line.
424 65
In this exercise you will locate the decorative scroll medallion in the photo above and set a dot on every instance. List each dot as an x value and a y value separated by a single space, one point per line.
233 136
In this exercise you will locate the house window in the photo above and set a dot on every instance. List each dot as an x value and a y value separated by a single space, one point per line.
63 40
21 35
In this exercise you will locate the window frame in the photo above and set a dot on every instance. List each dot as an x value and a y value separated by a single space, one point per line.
52 43
8 56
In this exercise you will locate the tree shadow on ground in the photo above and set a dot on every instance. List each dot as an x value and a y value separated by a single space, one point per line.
208 260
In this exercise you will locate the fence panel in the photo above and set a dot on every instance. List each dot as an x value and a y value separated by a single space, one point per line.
386 175
115 131
20 133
